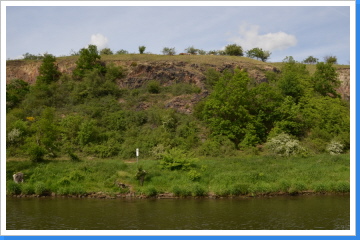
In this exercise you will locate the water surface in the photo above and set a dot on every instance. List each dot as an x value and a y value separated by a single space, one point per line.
276 213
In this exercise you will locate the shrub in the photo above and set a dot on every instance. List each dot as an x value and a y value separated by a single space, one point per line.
168 51
142 49
181 192
40 188
285 145
194 175
153 87
176 159
27 189
36 153
13 188
234 50
334 147
198 191
106 51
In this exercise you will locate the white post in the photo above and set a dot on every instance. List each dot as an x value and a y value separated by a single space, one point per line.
137 155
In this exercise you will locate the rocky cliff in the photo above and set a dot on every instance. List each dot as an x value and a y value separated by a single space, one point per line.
167 72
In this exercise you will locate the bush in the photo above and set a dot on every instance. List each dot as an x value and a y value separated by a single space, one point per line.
234 50
334 147
176 159
168 51
40 188
13 188
284 145
36 153
27 189
198 191
153 87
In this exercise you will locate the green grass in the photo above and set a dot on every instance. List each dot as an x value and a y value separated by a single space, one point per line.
248 175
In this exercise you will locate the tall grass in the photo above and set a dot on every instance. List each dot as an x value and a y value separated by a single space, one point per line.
248 175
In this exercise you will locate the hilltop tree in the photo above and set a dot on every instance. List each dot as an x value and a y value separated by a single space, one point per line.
169 51
192 50
88 60
258 53
330 59
142 49
106 51
311 60
325 79
234 50
48 71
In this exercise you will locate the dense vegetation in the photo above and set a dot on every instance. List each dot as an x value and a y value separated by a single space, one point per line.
86 114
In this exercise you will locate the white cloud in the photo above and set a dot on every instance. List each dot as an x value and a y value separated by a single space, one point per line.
99 40
249 38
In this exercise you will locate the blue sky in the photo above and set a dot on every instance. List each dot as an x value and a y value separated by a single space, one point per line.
298 31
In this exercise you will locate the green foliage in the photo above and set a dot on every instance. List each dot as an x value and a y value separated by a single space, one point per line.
168 51
122 51
36 153
86 132
192 50
153 87
258 53
88 60
311 60
330 59
234 50
294 79
325 80
285 145
29 56
48 71
106 51
16 91
40 188
226 109
114 72
142 49
13 188
176 159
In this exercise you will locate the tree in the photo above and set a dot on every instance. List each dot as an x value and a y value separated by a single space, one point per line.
330 59
142 49
168 51
106 51
258 53
226 109
192 50
311 60
16 91
234 50
88 60
48 71
325 80
294 79
122 51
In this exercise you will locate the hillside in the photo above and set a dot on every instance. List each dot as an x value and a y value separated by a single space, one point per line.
167 69
204 105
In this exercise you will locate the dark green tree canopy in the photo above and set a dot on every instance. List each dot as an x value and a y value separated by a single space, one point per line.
311 60
142 49
48 71
325 80
234 50
88 60
106 51
258 53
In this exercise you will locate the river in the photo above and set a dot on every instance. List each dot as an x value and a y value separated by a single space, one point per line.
265 213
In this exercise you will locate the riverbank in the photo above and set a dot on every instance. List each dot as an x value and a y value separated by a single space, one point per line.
246 176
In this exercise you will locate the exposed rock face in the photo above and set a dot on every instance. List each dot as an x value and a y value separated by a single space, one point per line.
344 77
166 72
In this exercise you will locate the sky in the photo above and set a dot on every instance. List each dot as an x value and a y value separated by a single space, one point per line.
298 31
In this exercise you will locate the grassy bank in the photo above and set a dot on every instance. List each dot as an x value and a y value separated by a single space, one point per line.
248 175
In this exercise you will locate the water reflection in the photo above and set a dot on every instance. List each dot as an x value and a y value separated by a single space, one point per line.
277 213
